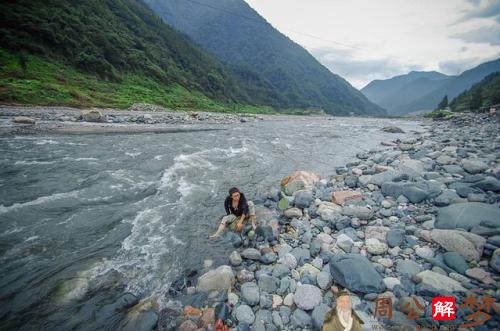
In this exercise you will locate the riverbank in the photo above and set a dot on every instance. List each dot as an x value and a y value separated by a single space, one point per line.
409 223
140 118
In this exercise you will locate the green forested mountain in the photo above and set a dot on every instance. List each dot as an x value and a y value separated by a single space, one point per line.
241 38
483 94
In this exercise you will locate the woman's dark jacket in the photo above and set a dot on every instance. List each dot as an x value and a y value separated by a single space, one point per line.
242 206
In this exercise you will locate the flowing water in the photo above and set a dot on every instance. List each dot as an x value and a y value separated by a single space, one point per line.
86 218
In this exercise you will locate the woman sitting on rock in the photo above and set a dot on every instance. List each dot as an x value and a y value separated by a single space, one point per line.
237 208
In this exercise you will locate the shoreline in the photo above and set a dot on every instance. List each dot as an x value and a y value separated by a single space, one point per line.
382 226
142 119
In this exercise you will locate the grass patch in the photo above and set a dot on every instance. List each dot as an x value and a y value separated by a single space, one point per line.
35 80
439 114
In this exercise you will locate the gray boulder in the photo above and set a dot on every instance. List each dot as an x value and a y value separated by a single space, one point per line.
356 273
488 184
221 278
467 215
303 198
307 297
244 314
474 166
456 262
469 245
300 319
250 293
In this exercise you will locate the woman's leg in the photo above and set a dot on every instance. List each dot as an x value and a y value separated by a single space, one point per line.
225 220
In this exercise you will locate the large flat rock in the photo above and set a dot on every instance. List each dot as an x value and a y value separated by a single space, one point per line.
467 215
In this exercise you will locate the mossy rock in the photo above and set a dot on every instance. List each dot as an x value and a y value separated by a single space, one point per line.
283 204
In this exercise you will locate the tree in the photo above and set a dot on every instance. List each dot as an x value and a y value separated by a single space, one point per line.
476 99
444 103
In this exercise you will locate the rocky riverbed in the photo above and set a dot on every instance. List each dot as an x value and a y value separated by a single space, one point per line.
137 119
417 221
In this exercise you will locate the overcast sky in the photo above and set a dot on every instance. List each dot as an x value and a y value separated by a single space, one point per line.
363 40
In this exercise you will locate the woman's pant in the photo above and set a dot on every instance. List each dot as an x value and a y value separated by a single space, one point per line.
228 219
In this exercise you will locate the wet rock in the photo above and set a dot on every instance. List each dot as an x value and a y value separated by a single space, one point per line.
495 260
392 129
218 279
467 215
488 184
356 273
268 283
235 259
446 198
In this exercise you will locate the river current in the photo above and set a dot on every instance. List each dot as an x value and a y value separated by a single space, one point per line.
87 218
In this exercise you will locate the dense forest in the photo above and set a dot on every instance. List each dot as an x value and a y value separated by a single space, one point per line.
238 36
483 94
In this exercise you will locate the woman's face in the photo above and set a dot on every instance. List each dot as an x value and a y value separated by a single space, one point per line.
235 196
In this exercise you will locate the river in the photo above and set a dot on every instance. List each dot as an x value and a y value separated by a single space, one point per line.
86 218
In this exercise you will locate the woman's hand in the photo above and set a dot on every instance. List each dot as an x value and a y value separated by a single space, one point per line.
239 225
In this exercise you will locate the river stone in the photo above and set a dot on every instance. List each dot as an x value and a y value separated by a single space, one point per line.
250 293
244 314
424 252
294 186
495 260
363 213
251 254
390 282
23 120
469 245
488 184
235 258
467 215
324 279
440 282
302 255
289 260
303 198
319 314
268 283
446 198
377 232
456 262
307 297
345 242
328 211
221 278
355 272
93 115
412 168
386 176
293 212
395 237
408 267
374 246
481 275
300 319
474 166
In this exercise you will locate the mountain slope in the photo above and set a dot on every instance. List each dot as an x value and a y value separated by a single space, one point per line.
455 86
483 94
394 93
239 36
108 38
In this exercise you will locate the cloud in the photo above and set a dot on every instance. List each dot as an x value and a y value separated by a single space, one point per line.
359 72
490 9
486 34
456 67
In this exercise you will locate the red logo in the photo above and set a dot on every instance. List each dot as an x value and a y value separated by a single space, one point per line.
443 308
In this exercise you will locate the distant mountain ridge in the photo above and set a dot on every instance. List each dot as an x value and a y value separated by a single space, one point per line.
418 91
237 35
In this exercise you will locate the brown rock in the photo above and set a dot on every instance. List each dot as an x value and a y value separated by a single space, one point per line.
480 274
188 326
340 197
192 311
307 177
208 317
